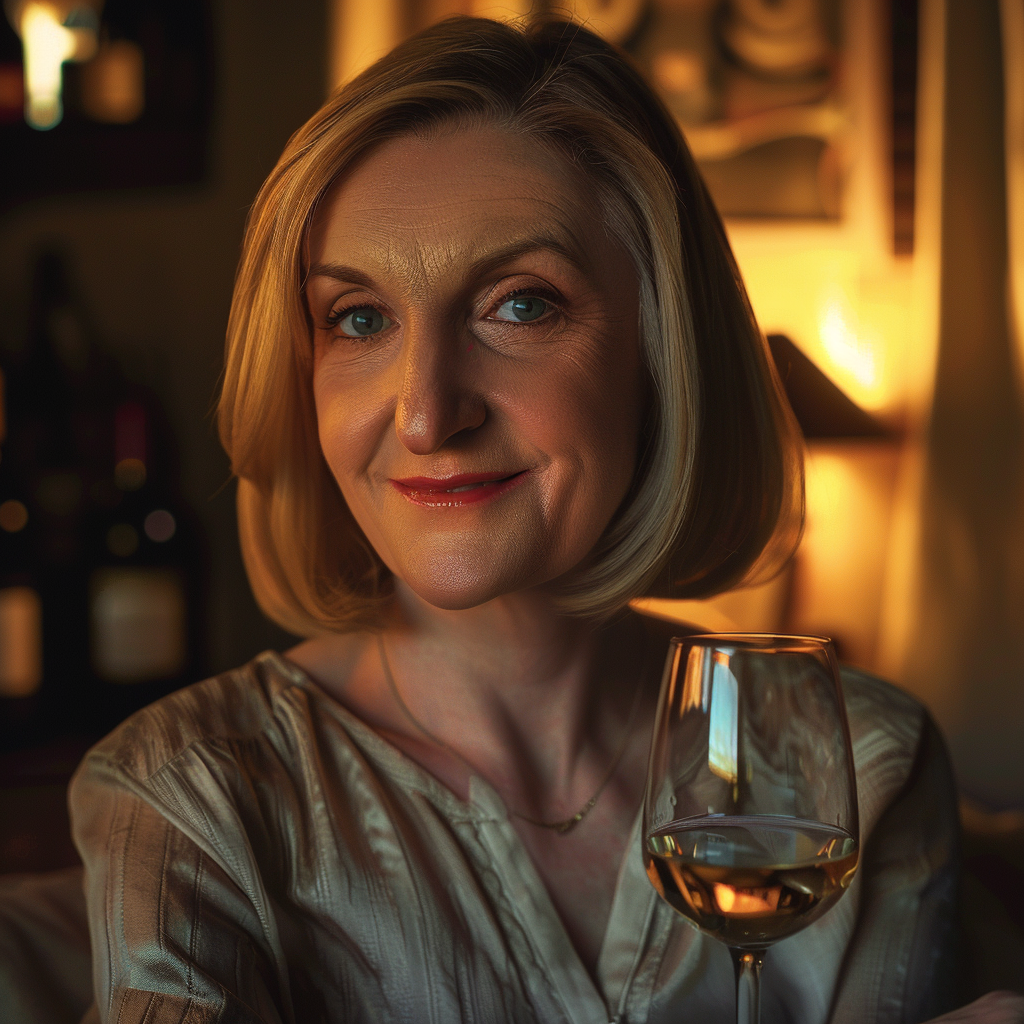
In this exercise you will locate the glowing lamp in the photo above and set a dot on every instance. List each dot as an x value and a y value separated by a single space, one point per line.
52 32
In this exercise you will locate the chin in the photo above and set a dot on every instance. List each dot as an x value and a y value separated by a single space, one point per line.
457 581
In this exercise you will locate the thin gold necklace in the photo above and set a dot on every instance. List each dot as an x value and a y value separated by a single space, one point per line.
561 827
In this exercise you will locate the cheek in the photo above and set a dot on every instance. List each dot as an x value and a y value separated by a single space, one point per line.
349 425
349 415
586 412
596 401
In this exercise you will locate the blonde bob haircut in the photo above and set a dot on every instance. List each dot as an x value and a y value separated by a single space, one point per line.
717 496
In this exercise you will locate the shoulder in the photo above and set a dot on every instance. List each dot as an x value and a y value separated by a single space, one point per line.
253 702
887 726
874 704
901 761
233 764
905 951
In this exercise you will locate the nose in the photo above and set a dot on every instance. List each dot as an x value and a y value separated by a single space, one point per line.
437 398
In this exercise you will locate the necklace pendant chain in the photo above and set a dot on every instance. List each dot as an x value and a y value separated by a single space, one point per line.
560 827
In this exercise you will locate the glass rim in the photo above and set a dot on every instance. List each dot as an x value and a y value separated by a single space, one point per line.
738 637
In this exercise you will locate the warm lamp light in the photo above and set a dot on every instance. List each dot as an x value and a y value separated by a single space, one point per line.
845 349
51 33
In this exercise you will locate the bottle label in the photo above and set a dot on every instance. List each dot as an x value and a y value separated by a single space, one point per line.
137 624
21 641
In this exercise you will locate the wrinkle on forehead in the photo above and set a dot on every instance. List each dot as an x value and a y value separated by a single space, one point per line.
418 261
396 214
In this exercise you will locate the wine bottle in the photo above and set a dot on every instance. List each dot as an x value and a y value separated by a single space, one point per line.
112 551
138 619
45 474
21 613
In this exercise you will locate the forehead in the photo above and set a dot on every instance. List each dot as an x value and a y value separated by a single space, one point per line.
454 196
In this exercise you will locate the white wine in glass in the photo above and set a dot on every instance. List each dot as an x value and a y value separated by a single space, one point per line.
750 813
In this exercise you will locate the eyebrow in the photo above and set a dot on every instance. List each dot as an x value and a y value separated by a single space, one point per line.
567 248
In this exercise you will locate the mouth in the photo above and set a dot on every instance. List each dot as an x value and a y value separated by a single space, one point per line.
455 491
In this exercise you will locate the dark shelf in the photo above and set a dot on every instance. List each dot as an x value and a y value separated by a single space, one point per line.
822 409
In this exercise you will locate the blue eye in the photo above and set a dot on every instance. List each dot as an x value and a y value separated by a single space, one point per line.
523 309
362 322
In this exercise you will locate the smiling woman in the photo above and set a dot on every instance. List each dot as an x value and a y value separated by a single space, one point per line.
571 160
491 374
491 361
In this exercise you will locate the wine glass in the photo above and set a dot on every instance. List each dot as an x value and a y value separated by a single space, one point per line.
750 814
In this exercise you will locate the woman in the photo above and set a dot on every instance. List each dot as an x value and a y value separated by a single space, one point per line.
490 375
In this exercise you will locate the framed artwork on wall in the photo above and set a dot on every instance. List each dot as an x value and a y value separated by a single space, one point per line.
780 100
756 87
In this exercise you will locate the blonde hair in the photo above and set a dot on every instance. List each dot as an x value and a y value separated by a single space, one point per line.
717 496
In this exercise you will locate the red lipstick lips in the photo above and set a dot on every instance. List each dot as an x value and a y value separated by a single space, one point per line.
458 490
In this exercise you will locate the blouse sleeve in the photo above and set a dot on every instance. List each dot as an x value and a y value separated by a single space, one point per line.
903 963
175 938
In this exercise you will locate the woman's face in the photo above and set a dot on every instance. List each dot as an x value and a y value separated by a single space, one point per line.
477 375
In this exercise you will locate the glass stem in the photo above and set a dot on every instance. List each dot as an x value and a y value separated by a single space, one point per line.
748 984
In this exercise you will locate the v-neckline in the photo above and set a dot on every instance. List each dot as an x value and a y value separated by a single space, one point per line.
625 931
629 919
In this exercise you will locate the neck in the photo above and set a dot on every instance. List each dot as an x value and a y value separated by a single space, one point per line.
517 644
524 678
542 699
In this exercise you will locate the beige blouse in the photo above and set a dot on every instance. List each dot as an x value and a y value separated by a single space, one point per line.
255 853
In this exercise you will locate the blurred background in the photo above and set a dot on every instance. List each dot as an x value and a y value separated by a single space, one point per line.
868 156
